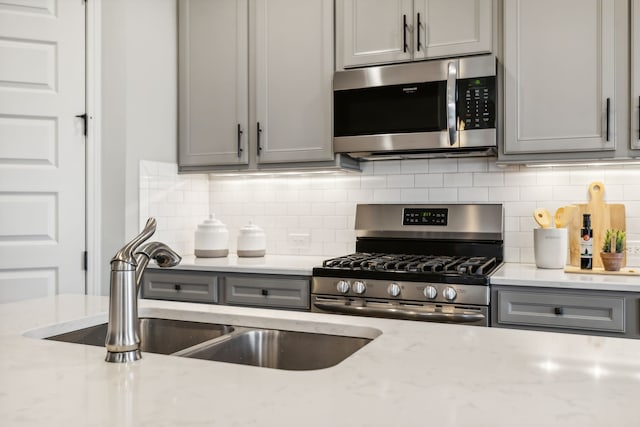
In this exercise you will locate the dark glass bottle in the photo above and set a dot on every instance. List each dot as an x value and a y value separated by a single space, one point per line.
586 243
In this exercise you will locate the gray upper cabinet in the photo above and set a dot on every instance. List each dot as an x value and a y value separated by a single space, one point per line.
635 74
255 83
213 81
567 88
293 74
386 31
559 76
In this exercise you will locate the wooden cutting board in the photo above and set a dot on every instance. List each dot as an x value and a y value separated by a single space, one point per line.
603 216
622 272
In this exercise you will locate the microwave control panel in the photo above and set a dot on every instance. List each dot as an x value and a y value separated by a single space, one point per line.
477 103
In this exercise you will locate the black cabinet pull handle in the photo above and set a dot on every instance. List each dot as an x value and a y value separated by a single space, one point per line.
265 292
239 141
258 131
418 25
404 33
558 310
608 111
177 287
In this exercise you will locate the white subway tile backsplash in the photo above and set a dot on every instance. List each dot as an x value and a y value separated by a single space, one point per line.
360 196
414 195
535 193
429 180
473 194
373 182
441 195
472 165
504 194
323 206
417 166
461 179
488 179
400 181
384 195
443 165
387 167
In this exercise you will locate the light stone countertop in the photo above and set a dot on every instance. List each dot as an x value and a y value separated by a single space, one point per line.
413 374
268 264
530 275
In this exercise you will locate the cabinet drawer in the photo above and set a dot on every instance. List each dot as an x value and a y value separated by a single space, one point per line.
279 292
557 310
174 286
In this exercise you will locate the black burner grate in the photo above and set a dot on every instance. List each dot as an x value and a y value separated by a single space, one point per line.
401 263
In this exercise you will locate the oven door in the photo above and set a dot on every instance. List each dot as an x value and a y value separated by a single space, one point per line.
403 310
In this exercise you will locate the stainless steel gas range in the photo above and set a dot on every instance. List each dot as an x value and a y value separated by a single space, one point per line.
416 262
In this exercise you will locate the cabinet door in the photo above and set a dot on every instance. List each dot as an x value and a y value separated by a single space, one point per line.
451 27
294 71
559 76
213 82
373 32
635 74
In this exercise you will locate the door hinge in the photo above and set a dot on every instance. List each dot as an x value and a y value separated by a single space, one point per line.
84 122
85 261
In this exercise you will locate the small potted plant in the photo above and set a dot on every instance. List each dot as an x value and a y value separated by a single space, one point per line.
613 250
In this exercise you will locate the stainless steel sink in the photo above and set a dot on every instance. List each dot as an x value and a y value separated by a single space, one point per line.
247 345
278 349
163 336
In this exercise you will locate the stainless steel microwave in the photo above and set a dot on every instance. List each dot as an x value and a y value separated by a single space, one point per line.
421 109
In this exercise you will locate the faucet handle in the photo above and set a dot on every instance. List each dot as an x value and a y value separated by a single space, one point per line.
126 254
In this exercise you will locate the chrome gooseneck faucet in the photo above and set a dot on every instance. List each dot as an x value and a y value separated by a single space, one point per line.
127 266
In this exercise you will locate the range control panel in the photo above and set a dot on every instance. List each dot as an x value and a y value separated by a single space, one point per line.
476 103
433 216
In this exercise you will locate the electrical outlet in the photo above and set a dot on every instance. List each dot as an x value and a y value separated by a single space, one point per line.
299 239
633 252
633 247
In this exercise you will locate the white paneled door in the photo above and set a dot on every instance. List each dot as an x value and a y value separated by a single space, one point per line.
42 148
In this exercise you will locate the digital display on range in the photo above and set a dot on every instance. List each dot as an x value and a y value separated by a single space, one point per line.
417 216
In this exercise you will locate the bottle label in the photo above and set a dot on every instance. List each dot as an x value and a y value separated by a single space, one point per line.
586 246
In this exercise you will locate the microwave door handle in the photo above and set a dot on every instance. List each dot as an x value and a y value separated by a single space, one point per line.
452 77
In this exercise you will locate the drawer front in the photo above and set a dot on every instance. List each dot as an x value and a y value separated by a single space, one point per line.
191 287
558 310
267 292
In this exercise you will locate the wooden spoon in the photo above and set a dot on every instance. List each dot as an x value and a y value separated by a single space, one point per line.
542 217
564 215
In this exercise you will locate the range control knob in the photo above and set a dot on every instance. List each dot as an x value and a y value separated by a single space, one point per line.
394 289
343 286
430 292
449 293
359 287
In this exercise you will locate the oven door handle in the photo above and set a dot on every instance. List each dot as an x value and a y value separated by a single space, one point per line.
400 313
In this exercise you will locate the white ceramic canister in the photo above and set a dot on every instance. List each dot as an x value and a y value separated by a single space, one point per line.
211 239
252 241
550 247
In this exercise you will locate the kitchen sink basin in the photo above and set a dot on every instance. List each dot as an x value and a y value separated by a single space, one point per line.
163 336
278 349
246 344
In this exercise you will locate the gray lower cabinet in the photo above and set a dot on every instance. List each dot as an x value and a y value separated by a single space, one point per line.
250 289
187 286
268 291
566 310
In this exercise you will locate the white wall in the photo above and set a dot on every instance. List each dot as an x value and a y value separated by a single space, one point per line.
139 92
323 207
